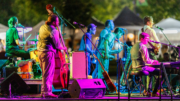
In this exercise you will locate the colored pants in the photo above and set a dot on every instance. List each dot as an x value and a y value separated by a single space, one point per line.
153 71
89 64
147 80
47 64
105 63
19 53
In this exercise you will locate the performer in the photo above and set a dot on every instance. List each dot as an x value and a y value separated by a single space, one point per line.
13 42
106 42
47 45
88 48
148 21
109 26
140 57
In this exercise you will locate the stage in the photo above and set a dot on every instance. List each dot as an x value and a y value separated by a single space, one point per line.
123 97
135 96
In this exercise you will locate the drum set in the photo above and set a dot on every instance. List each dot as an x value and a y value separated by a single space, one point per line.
31 69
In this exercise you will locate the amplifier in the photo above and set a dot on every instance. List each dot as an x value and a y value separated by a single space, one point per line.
87 88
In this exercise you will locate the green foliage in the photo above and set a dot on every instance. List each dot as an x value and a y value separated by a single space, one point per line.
80 11
161 9
31 12
108 9
5 11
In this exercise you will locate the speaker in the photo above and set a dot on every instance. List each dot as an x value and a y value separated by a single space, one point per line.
79 70
87 88
18 86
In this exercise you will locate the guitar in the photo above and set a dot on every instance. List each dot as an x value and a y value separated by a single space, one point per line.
155 48
109 83
61 76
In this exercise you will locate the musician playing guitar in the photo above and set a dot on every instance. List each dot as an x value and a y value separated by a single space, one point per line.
140 57
153 50
48 43
152 47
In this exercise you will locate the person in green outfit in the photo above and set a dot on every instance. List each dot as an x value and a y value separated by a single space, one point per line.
13 43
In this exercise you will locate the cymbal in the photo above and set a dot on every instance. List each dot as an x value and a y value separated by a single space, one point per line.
34 40
32 45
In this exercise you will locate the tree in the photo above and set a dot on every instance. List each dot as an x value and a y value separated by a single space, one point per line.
108 9
30 12
160 9
80 12
6 11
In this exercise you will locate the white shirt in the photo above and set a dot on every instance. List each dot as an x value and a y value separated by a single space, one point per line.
152 35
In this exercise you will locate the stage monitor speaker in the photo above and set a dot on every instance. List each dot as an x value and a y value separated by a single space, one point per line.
79 70
18 86
87 88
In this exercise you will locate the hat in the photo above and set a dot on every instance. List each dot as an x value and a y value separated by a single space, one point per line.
91 26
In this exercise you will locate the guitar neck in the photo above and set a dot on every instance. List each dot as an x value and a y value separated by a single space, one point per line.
151 45
99 62
61 38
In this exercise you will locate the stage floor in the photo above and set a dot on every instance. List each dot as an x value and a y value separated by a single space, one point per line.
123 97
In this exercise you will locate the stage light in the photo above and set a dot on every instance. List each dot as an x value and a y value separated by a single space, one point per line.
130 36
76 30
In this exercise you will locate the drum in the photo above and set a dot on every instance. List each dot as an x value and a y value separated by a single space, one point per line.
26 75
34 54
26 68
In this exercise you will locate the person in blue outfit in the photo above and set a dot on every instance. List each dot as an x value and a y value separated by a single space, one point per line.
106 43
109 26
86 44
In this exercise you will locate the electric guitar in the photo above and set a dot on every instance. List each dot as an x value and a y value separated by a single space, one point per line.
110 84
156 49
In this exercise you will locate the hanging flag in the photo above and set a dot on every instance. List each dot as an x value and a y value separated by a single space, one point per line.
141 3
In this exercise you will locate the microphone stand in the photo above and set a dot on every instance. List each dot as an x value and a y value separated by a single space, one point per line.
85 36
90 41
169 42
165 44
61 17
170 60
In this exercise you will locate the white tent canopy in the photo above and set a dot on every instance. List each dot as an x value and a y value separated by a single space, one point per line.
169 23
35 30
171 30
3 30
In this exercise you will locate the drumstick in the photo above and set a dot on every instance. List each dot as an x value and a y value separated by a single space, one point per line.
28 37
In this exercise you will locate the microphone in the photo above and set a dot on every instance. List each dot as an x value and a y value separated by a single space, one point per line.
153 41
75 23
19 25
159 27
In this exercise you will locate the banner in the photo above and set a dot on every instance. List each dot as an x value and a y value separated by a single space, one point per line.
141 3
